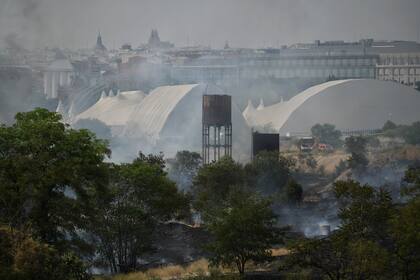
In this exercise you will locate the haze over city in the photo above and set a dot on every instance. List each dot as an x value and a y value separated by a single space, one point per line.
209 139
244 23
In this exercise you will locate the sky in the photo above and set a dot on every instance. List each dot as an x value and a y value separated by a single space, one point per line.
243 23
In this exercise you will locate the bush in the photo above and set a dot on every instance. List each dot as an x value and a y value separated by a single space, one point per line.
22 257
294 192
328 134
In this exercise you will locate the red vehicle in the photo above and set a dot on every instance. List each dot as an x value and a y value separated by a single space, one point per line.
325 147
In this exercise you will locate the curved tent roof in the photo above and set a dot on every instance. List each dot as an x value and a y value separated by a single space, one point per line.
114 110
170 119
150 116
348 104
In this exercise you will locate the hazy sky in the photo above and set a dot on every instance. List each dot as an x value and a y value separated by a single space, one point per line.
244 23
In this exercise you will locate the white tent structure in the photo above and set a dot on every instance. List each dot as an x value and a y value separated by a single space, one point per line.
347 104
169 120
114 111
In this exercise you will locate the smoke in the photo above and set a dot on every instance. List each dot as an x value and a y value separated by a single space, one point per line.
238 21
13 43
28 7
23 24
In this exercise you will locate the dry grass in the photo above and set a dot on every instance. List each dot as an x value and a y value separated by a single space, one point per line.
329 161
277 252
196 268
407 152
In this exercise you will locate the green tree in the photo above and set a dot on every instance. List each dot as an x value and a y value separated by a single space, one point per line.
405 227
389 125
268 172
364 212
294 192
49 176
243 231
412 181
405 233
213 182
412 134
360 248
142 196
356 146
328 134
25 258
184 168
337 258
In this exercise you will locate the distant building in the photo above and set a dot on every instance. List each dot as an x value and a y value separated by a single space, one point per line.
99 47
58 74
399 61
396 60
155 42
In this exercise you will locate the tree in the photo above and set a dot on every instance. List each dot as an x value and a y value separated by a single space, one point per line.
335 258
268 173
405 233
376 239
360 248
142 197
49 175
412 134
405 226
411 181
326 133
184 168
243 231
364 211
25 258
213 182
294 192
389 125
356 145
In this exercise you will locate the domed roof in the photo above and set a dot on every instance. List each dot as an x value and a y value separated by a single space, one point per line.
348 104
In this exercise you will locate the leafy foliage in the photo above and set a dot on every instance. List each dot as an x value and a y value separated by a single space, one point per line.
356 145
184 168
141 197
410 133
49 175
389 125
328 134
268 173
333 258
294 192
243 231
376 240
213 183
25 258
364 211
412 181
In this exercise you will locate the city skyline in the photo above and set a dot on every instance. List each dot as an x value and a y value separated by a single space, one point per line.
246 23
